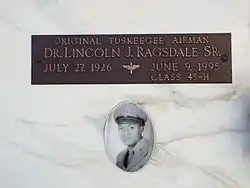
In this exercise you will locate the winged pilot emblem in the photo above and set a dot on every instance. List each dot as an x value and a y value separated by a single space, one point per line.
131 67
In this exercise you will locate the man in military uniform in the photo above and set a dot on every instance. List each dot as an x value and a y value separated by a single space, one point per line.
131 121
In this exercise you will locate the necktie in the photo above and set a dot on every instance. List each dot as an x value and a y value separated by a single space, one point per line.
128 158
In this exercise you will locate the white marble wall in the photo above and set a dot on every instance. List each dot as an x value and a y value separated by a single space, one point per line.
51 136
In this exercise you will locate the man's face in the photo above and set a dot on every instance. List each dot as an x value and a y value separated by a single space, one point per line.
130 133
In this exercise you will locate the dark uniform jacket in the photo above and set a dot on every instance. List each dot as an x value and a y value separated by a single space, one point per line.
141 154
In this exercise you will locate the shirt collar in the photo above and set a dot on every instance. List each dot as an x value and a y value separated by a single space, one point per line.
136 146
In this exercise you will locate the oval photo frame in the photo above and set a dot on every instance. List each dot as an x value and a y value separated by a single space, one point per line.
129 136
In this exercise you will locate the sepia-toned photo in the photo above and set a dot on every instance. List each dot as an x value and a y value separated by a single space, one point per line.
129 136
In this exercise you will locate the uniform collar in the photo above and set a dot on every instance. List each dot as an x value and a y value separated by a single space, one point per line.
136 146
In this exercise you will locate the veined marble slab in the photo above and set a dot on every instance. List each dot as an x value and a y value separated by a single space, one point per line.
51 136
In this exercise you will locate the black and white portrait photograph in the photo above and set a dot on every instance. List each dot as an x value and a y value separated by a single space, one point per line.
129 136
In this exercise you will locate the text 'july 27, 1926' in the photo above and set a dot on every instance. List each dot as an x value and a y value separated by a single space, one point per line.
131 59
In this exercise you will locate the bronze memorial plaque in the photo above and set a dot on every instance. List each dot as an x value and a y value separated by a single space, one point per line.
132 59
